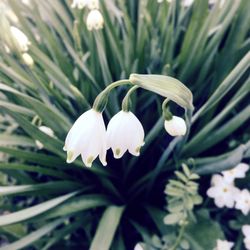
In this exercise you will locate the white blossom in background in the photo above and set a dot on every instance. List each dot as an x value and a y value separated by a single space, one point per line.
125 132
26 2
176 126
20 38
95 20
187 3
93 4
212 2
243 201
8 12
246 233
223 192
80 4
224 245
138 246
47 131
28 60
238 172
87 138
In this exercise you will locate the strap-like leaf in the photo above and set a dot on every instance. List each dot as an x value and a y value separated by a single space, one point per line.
106 228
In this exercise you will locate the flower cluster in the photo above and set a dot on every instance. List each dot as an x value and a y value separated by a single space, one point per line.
94 19
89 137
224 192
21 43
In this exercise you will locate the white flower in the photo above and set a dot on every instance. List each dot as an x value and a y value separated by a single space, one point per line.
93 4
47 131
238 172
138 246
243 201
224 245
28 60
26 2
187 3
88 138
246 232
215 1
95 20
223 192
125 132
80 4
176 126
20 38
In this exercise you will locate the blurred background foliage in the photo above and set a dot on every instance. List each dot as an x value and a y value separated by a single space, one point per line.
48 204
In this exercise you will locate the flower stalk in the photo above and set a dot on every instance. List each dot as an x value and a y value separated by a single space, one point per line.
101 100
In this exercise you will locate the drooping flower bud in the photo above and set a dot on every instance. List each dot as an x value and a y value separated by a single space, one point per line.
47 131
80 4
95 20
28 60
176 126
20 38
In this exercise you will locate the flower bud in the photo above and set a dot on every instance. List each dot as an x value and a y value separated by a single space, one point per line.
95 20
28 60
176 126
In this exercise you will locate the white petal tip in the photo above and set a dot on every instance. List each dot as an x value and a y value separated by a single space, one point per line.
117 153
70 157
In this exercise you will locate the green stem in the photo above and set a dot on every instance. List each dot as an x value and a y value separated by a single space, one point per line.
165 110
126 100
179 238
101 99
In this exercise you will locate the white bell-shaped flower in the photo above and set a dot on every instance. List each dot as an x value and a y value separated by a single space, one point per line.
95 20
93 4
88 138
224 245
125 132
80 4
223 192
243 202
20 38
246 232
176 126
237 172
47 131
28 60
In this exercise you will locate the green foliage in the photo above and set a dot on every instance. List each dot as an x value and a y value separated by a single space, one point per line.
182 195
48 204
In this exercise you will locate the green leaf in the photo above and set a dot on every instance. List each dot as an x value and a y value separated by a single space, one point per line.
31 238
225 86
51 187
172 219
75 205
204 233
16 140
33 211
166 86
106 228
210 165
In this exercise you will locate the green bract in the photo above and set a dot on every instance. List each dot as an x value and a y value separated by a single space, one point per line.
166 86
